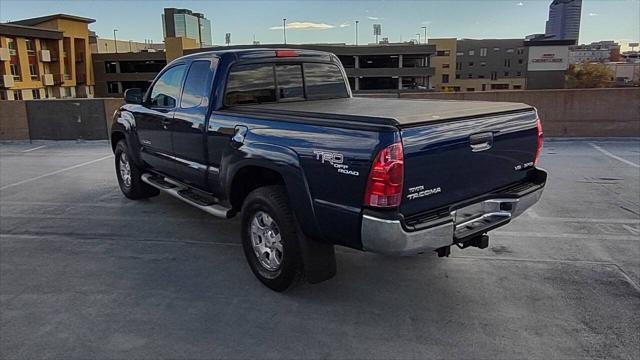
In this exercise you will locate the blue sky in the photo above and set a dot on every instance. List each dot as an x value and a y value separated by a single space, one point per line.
333 20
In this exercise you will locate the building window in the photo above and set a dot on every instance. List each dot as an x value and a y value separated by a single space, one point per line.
483 63
111 67
35 93
499 86
112 87
33 71
443 53
510 51
483 51
445 66
494 75
471 89
480 76
470 63
472 52
496 49
11 44
517 87
519 73
459 53
445 78
506 73
457 76
67 92
15 71
3 95
520 61
17 95
507 62
520 51
459 66
31 47
470 76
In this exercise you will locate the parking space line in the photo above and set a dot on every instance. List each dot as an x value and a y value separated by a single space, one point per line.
35 148
54 172
532 214
614 156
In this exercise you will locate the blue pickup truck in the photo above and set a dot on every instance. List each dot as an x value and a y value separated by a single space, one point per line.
276 136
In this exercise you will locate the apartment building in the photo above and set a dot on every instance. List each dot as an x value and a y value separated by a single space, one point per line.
45 57
479 65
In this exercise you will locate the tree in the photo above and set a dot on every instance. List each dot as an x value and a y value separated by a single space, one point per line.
589 75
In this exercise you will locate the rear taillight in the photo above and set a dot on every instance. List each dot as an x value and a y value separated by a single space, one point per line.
384 187
540 142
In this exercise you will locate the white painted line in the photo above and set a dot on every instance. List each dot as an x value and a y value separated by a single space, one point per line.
35 148
54 172
521 234
614 156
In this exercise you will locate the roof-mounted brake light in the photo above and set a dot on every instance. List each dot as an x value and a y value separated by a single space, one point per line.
286 53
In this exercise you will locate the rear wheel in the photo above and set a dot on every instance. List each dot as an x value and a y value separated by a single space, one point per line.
130 176
270 239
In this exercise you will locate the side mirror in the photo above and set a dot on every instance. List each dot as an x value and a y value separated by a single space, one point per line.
133 96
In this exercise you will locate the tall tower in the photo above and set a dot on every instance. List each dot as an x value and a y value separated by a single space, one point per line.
564 19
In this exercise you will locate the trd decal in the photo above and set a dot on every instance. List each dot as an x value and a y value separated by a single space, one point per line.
336 160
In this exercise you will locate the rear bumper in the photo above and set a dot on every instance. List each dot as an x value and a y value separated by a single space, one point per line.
391 237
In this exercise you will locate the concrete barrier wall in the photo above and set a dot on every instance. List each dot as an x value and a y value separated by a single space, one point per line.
566 113
571 112
13 120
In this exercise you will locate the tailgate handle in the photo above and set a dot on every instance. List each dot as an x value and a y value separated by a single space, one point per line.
481 142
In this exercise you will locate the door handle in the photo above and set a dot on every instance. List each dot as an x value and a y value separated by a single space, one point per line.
238 138
166 123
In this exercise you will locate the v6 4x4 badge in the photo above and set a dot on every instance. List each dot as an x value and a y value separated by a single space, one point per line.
336 160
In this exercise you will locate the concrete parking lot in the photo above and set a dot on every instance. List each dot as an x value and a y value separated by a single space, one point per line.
86 273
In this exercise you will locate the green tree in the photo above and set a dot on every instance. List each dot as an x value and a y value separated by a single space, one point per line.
589 75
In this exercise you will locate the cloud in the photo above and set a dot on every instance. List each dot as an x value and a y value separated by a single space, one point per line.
344 25
374 18
593 14
520 4
304 26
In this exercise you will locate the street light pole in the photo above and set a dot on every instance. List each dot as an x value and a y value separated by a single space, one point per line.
357 32
284 30
425 34
115 42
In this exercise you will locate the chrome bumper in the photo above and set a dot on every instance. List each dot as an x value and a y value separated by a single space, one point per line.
389 237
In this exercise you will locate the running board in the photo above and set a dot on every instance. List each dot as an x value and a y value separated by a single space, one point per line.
180 191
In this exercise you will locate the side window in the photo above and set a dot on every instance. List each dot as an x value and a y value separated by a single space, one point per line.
166 90
195 86
324 81
289 79
250 84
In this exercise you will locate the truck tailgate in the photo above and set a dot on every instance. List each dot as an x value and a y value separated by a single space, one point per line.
453 161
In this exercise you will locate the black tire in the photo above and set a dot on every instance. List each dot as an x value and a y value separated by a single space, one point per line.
273 201
133 188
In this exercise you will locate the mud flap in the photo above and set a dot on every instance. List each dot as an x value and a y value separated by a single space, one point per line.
319 260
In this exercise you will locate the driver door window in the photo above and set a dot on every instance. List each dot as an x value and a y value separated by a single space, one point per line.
166 90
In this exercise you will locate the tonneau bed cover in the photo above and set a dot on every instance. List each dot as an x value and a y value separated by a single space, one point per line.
399 112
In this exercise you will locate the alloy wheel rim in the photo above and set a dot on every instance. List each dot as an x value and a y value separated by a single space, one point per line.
266 240
125 170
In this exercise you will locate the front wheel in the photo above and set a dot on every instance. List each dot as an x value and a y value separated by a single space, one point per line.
270 239
130 176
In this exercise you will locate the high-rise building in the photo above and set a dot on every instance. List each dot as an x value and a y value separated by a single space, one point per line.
564 20
185 23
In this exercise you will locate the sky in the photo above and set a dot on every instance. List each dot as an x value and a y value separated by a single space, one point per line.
333 21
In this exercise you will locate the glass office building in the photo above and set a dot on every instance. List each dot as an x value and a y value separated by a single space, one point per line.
185 23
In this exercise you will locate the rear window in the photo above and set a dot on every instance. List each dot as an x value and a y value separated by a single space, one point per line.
250 84
324 81
264 83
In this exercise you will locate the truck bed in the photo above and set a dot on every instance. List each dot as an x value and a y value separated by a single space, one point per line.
396 112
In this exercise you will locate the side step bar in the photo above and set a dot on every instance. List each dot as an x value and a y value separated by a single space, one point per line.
182 192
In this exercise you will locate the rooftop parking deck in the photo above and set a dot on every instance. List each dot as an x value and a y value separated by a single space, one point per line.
87 273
